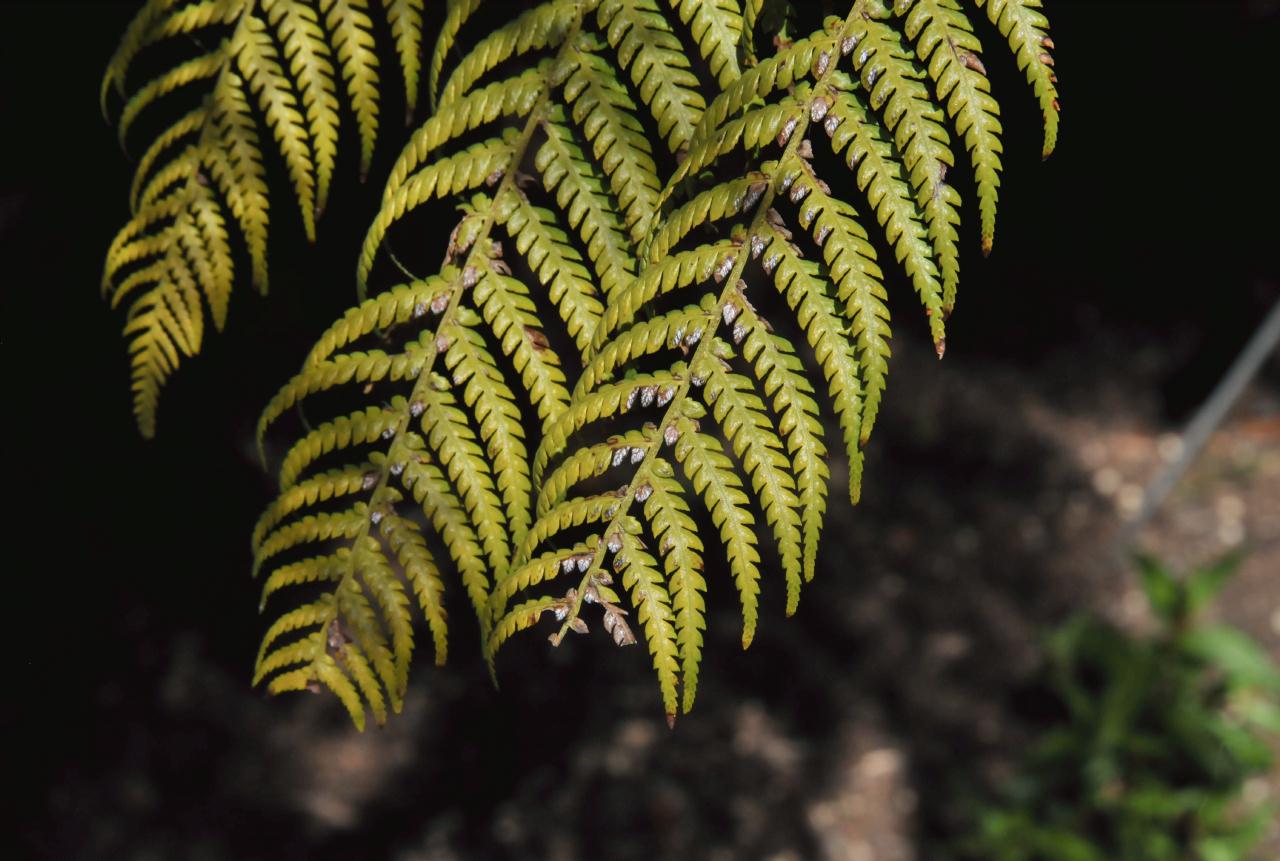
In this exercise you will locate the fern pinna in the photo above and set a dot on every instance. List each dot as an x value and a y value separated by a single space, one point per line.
602 316
291 63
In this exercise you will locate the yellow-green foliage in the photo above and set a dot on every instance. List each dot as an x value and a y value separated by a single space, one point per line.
564 118
736 407
594 364
291 63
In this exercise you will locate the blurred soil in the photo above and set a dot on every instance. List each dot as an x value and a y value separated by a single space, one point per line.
992 501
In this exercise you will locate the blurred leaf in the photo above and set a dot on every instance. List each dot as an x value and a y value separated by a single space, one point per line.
1161 587
1216 849
1160 733
1162 802
1203 586
1244 746
1262 713
1243 663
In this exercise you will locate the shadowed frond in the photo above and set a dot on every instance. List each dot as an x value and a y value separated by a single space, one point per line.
257 71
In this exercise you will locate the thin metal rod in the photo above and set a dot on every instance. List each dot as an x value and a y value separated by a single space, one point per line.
1206 420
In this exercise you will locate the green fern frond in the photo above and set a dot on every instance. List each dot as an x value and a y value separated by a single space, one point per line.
451 437
579 135
649 49
593 157
736 406
547 457
713 477
603 108
786 384
356 50
857 88
581 194
204 171
758 446
556 262
891 81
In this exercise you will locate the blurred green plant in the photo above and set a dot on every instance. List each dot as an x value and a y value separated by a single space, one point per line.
1158 735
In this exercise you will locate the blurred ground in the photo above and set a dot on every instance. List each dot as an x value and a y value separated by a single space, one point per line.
992 499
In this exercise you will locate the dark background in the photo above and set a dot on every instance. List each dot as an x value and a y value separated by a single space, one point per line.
1128 271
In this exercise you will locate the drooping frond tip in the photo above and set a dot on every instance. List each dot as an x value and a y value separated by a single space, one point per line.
201 186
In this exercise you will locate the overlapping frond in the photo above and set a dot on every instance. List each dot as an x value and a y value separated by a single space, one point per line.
612 350
365 494
593 156
538 131
717 408
201 184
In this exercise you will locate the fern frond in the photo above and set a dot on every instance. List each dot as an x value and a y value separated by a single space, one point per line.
661 264
507 308
452 437
854 371
534 30
259 63
599 173
487 397
891 80
718 362
557 264
736 407
603 109
879 175
592 155
758 446
203 172
785 382
580 193
714 477
859 286
582 139
308 54
668 513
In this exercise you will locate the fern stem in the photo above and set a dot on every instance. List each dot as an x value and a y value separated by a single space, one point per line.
674 409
